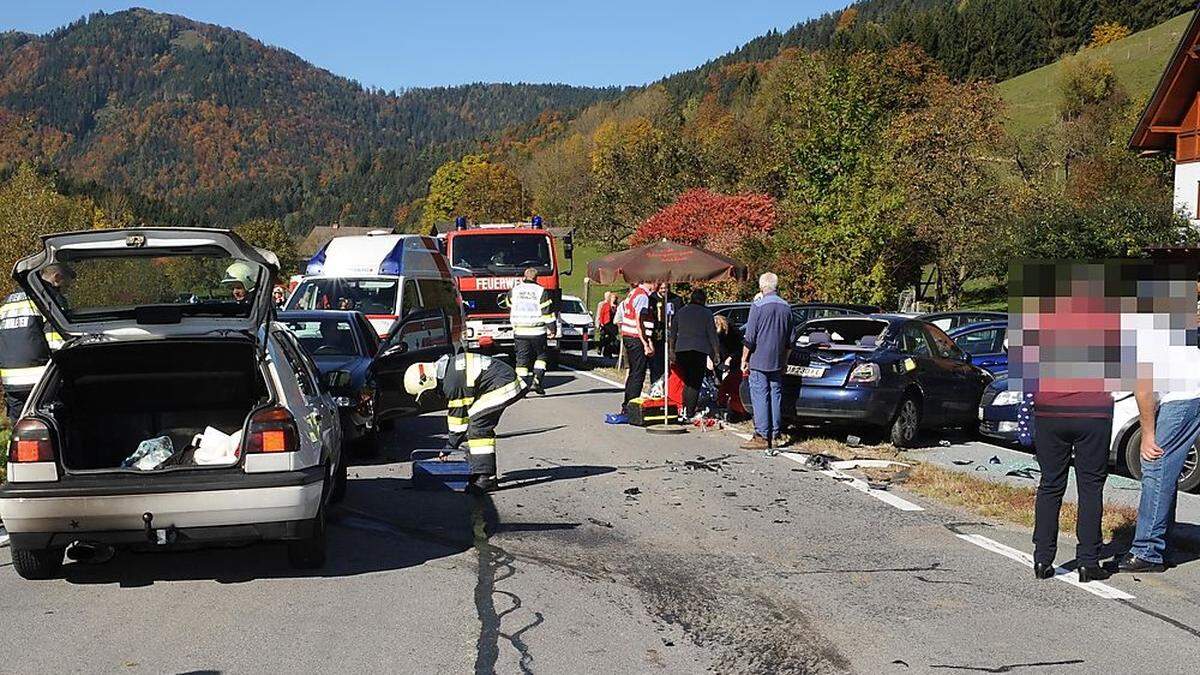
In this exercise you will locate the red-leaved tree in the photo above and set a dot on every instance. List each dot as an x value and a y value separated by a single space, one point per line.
738 226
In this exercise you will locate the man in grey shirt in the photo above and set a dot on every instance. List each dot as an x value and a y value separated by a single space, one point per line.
766 346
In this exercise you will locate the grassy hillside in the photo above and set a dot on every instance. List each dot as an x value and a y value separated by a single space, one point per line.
1138 61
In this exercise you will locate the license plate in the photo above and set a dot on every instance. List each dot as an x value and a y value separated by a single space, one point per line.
806 371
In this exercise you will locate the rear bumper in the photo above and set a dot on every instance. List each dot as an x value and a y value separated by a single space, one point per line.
172 537
862 404
252 506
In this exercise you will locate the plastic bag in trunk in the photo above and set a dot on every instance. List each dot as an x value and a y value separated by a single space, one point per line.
150 454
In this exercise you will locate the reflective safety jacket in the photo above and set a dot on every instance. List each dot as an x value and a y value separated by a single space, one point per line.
475 385
633 311
530 309
26 341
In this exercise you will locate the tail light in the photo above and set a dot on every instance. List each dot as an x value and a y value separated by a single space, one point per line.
865 373
273 430
31 442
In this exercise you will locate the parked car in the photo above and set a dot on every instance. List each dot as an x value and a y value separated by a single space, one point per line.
806 311
343 346
949 321
998 419
890 372
141 366
575 320
737 313
986 342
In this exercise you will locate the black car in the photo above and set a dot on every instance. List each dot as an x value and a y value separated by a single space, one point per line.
951 321
890 372
343 345
806 311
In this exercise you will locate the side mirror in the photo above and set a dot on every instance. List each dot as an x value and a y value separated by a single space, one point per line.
335 379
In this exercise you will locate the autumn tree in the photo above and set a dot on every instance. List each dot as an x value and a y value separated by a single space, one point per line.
492 193
1107 33
943 161
270 234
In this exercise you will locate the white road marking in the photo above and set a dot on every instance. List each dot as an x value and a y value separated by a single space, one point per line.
1096 588
859 484
585 373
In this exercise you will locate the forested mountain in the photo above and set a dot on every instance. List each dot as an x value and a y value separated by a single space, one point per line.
990 39
201 124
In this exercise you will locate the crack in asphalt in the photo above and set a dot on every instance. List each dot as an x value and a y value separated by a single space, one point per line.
1010 667
495 565
932 567
1162 617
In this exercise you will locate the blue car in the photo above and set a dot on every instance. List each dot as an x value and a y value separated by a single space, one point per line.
986 342
343 345
894 373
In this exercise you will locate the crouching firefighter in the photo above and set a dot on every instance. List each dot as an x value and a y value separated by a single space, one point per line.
478 389
26 340
531 313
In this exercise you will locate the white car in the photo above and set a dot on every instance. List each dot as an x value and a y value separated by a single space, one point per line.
162 344
575 320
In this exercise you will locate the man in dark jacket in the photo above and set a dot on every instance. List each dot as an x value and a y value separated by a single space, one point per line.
767 343
478 388
694 338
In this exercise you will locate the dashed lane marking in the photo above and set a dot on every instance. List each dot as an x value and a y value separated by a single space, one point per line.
1096 588
859 484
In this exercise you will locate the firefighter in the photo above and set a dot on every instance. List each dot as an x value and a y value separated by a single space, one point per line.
531 313
477 388
239 277
26 339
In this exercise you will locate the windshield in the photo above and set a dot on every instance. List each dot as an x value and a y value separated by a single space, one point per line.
325 337
573 307
502 253
369 296
110 287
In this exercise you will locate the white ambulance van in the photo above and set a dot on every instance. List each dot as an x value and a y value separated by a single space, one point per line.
383 275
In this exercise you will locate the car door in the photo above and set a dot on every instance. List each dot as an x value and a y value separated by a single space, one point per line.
960 384
985 345
321 418
917 364
421 336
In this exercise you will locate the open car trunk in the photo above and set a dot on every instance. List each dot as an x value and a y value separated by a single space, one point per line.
109 397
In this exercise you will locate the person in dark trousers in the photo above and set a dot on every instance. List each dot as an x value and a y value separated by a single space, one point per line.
1071 423
26 339
636 339
478 389
531 313
696 347
767 342
663 306
606 326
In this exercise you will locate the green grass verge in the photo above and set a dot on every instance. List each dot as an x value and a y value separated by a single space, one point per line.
1032 98
573 284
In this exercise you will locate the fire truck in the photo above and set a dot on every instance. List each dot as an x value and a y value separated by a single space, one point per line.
489 259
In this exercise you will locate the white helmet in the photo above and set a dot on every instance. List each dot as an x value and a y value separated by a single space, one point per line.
420 378
240 273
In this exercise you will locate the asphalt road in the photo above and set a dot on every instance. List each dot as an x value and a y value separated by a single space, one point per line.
607 550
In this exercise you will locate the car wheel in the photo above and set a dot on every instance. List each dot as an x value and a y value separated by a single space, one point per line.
338 492
1189 479
37 563
309 553
906 423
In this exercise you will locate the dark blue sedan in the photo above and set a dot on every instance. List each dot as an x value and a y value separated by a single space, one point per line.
342 344
895 373
986 342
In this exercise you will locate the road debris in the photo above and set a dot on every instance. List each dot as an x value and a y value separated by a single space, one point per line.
600 523
633 491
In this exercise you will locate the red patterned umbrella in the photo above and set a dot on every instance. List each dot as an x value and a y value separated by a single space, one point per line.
664 261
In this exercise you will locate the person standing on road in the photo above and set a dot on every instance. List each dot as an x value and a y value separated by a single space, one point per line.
662 308
1170 425
606 327
477 388
696 348
1069 422
26 339
531 312
636 339
767 342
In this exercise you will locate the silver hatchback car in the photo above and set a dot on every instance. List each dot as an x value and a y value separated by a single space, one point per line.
178 412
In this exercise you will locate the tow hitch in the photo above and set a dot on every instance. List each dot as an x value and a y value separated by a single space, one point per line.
160 537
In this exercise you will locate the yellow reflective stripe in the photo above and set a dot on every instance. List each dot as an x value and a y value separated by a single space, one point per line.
539 365
456 424
546 304
21 377
496 397
481 446
462 402
24 306
522 371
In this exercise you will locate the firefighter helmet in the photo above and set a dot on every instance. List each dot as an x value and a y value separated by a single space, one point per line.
420 378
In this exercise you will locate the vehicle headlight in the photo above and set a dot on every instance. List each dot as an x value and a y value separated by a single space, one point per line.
1007 398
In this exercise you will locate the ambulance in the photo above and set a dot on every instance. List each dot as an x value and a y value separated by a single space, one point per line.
385 276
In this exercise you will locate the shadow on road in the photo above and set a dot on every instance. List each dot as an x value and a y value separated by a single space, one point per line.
531 432
522 478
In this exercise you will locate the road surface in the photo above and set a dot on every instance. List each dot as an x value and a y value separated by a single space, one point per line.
608 550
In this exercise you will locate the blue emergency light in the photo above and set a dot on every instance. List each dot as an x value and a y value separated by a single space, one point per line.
317 264
460 223
537 222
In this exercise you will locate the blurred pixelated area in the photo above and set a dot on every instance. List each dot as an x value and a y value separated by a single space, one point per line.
1100 326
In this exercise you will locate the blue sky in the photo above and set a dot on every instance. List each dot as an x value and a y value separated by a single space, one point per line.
407 43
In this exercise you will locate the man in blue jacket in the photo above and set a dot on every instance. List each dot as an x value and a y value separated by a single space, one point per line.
766 346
